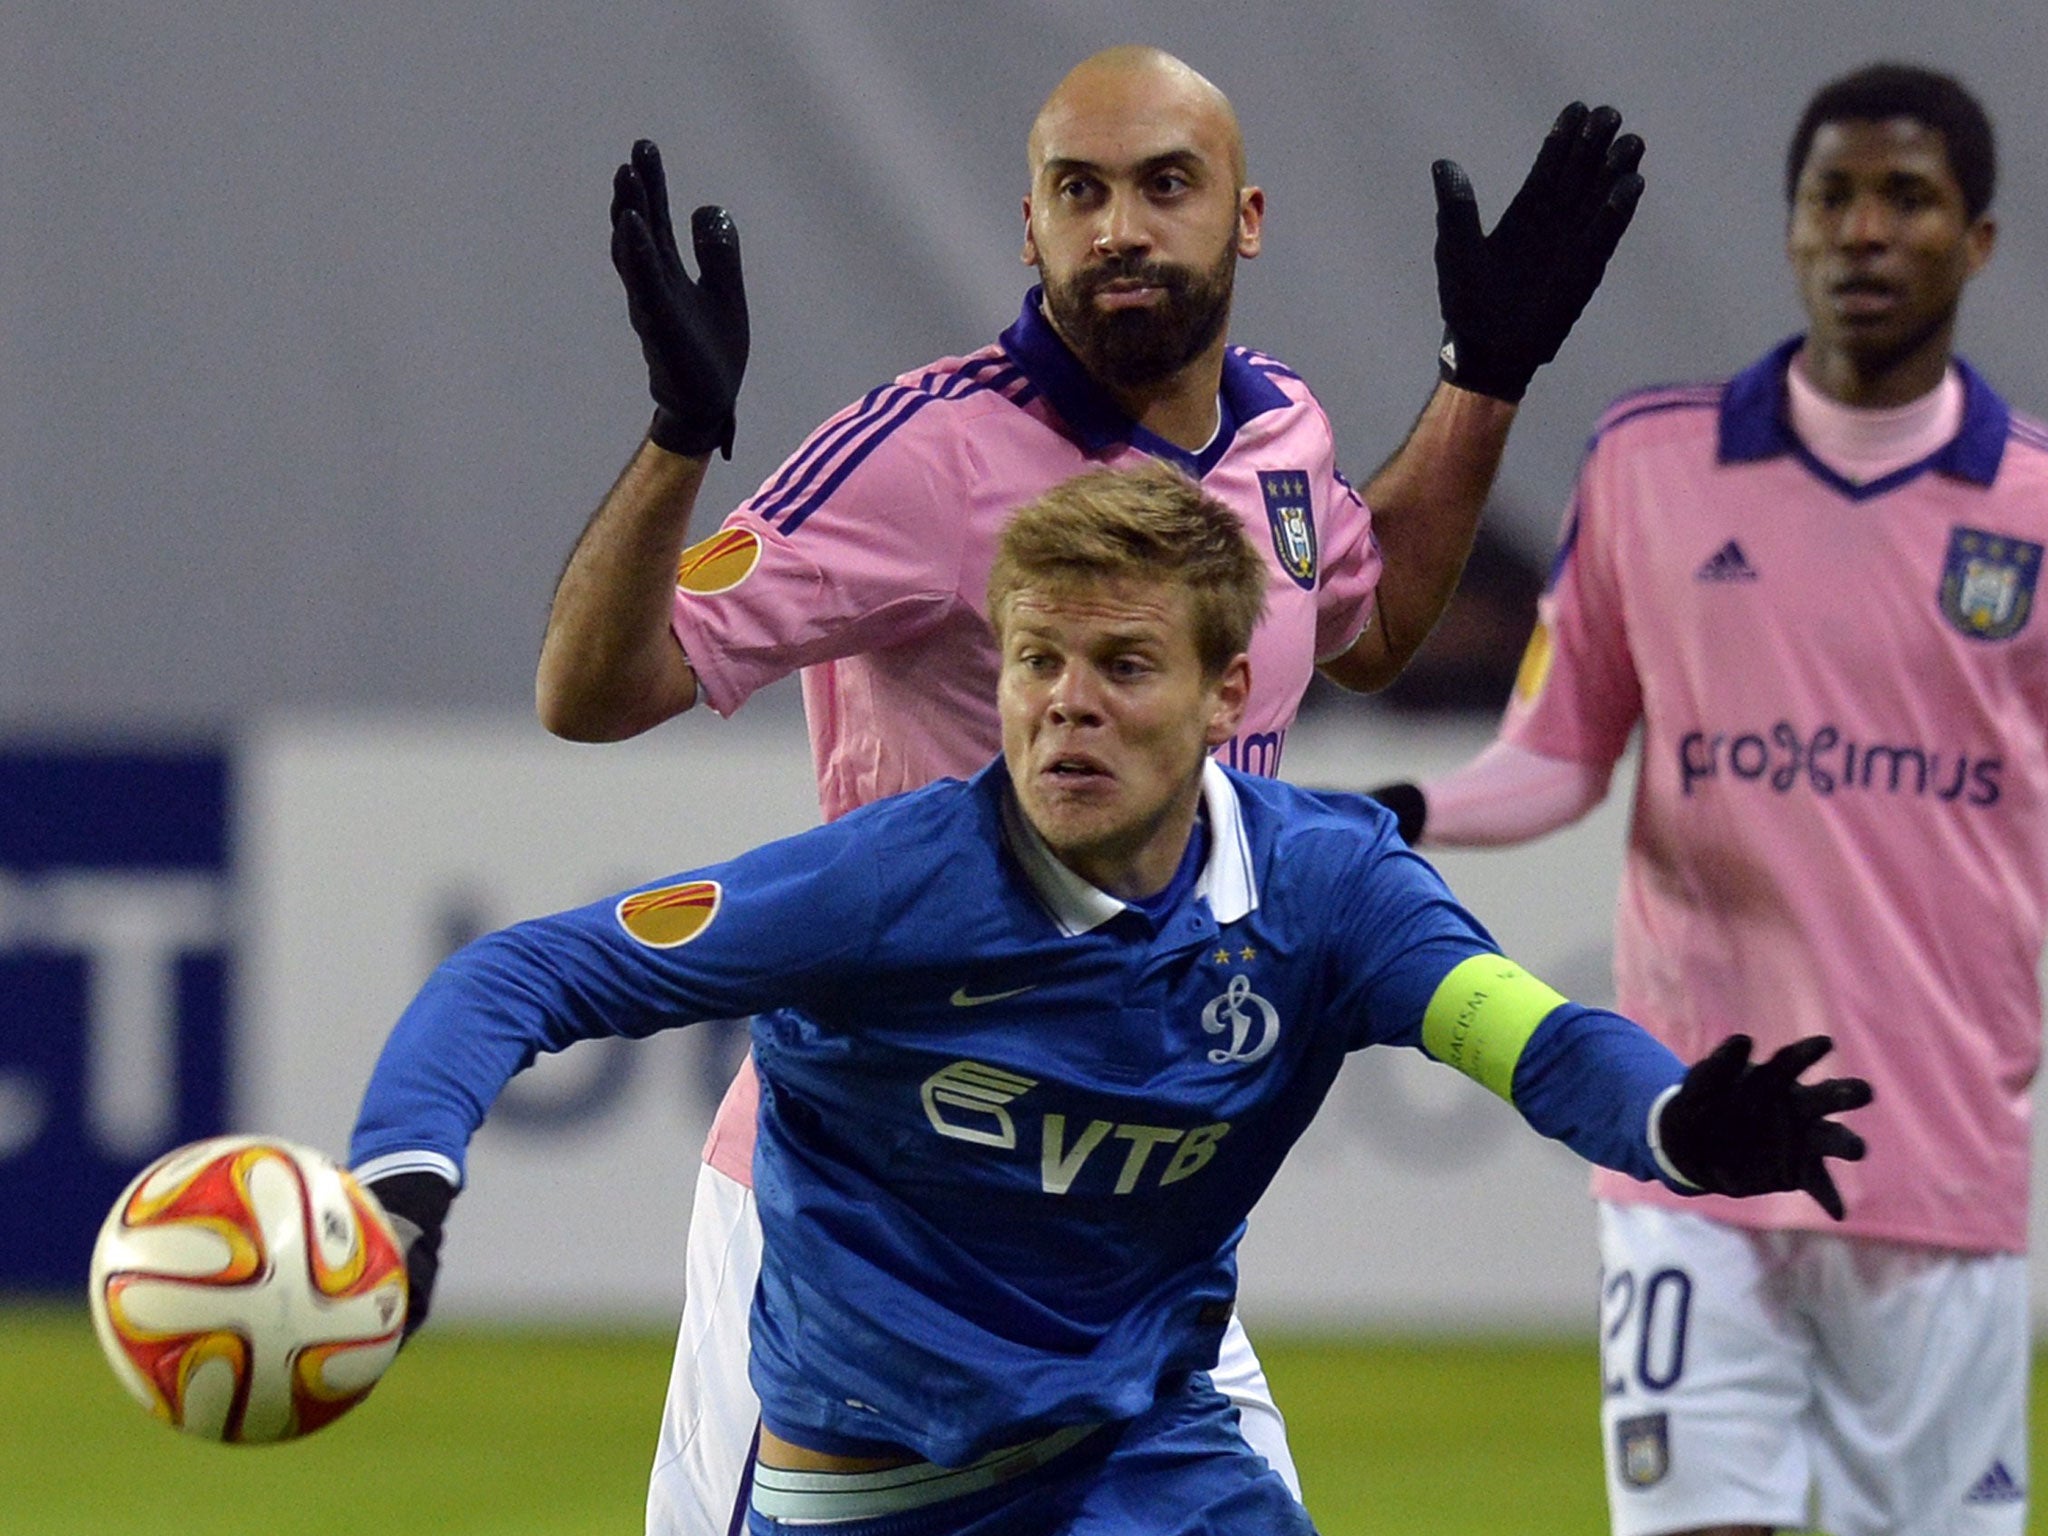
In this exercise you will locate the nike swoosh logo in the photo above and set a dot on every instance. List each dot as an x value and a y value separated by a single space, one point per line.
962 998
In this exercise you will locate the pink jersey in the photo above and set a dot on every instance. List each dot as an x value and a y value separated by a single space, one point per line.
1841 820
864 562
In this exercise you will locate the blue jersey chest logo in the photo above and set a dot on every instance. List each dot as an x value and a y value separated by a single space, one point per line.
1987 583
1289 515
1252 1023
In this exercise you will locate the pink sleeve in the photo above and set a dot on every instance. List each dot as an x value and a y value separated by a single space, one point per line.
1350 570
1577 696
1508 795
868 559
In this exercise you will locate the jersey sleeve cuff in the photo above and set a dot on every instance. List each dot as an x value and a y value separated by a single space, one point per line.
715 686
386 1164
1368 616
1657 1152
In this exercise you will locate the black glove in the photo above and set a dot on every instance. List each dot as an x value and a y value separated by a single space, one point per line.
693 335
1409 805
417 1204
1510 298
1734 1128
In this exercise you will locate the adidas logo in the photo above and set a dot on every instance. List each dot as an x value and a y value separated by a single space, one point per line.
1728 563
1995 1487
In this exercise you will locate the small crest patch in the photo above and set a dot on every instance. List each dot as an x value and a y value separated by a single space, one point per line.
1987 583
1644 1446
719 563
672 915
1293 522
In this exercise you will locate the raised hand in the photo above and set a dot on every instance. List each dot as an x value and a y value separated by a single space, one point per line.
1510 298
693 334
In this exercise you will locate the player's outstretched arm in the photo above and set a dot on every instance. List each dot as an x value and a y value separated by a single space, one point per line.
1509 298
609 666
1737 1127
1505 795
1616 1095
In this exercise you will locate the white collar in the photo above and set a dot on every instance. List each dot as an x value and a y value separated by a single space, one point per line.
1078 907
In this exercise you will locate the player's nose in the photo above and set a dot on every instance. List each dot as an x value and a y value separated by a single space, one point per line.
1121 227
1867 221
1074 698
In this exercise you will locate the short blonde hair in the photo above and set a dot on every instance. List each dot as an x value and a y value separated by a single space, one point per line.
1151 523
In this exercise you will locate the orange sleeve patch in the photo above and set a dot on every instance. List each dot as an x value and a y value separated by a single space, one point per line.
1535 667
672 915
719 563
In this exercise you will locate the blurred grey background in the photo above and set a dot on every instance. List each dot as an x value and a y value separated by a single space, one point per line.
315 361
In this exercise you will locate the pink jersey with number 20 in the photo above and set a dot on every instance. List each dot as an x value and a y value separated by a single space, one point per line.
1841 819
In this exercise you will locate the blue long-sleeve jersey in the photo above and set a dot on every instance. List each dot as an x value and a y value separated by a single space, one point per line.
1010 1126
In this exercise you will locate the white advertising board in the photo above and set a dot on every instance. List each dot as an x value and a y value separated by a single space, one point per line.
370 847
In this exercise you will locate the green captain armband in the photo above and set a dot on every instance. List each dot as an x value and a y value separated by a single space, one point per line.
1482 1016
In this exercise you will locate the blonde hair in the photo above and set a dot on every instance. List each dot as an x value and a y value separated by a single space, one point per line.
1150 524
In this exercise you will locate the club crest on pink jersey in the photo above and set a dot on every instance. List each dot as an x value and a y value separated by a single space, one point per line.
1293 524
1987 583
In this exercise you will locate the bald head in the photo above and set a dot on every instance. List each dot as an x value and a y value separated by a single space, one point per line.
1137 216
1131 88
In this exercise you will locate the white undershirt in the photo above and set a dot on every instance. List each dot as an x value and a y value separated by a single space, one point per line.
1862 445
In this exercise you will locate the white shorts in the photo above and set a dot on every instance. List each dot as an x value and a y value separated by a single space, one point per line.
1782 1378
703 1456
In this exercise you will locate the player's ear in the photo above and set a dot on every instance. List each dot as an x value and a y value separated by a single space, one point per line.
1981 239
1030 245
1228 696
1251 221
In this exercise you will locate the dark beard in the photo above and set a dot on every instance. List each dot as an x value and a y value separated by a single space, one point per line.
1136 348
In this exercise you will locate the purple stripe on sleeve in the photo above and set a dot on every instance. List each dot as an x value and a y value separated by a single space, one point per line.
1655 404
2030 434
878 417
800 496
818 443
874 406
794 518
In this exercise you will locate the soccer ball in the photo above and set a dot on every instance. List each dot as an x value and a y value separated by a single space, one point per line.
247 1289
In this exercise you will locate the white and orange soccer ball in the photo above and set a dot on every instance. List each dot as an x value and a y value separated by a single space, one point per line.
247 1289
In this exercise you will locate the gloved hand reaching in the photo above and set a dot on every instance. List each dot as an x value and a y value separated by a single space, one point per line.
1734 1127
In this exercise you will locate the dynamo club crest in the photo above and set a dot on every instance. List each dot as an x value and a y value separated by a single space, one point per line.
1293 525
1987 583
